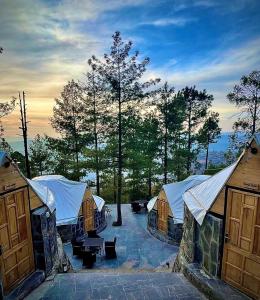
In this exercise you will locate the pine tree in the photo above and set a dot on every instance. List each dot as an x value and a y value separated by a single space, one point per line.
164 97
68 120
197 104
40 156
246 96
94 116
121 73
209 133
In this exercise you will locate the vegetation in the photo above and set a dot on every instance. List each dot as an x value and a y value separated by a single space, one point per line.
245 96
133 135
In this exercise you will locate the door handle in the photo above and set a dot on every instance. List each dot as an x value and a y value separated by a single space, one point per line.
227 238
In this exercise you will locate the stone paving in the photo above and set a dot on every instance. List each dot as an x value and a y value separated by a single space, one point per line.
136 248
143 285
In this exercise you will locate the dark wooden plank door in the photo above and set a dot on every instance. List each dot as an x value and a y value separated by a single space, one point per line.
17 259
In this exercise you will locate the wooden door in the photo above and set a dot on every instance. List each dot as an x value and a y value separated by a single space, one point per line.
17 259
88 211
241 261
163 212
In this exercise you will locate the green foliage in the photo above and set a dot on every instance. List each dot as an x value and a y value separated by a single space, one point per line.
209 133
40 156
19 158
197 104
115 125
68 120
246 97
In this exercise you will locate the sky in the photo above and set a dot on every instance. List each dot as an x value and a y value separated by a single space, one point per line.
207 43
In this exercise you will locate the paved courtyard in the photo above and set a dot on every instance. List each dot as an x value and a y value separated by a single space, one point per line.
132 286
136 248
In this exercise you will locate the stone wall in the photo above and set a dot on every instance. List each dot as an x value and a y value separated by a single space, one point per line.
44 236
152 219
209 244
67 232
175 231
100 220
174 234
187 245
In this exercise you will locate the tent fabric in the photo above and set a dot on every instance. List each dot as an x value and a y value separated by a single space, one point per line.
68 196
100 202
174 192
200 198
151 203
44 193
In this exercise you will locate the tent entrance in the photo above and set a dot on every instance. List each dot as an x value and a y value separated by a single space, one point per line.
17 260
241 260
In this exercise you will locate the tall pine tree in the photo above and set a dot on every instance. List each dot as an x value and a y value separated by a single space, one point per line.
121 73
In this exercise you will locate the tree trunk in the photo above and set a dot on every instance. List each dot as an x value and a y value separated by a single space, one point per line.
150 183
24 130
189 141
119 179
114 183
96 140
166 146
165 158
207 157
77 156
254 115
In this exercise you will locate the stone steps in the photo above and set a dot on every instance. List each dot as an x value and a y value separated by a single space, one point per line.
107 285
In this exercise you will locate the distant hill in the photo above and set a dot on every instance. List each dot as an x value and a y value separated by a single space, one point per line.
220 146
223 142
17 144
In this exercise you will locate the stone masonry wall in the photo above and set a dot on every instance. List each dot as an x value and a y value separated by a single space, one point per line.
175 231
187 246
152 219
209 244
100 220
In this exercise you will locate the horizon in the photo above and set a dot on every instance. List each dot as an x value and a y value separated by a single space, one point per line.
206 43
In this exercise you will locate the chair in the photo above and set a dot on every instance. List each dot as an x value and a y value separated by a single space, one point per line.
77 244
77 250
77 241
93 234
110 249
136 207
89 258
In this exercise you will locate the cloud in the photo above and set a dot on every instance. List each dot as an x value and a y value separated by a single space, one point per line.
216 74
47 43
178 21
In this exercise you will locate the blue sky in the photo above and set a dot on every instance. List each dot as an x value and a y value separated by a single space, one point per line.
209 43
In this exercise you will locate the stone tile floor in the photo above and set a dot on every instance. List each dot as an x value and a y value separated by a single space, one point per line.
143 285
136 248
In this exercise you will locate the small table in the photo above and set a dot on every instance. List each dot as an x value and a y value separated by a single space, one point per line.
93 242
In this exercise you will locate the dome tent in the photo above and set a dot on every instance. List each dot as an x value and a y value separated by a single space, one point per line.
166 211
68 196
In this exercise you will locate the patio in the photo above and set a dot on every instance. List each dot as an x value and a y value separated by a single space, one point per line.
136 248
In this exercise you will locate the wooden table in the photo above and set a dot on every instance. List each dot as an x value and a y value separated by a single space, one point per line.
93 242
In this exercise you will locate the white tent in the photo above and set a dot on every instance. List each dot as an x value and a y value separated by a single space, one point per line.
151 203
44 193
200 198
68 196
99 202
174 192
